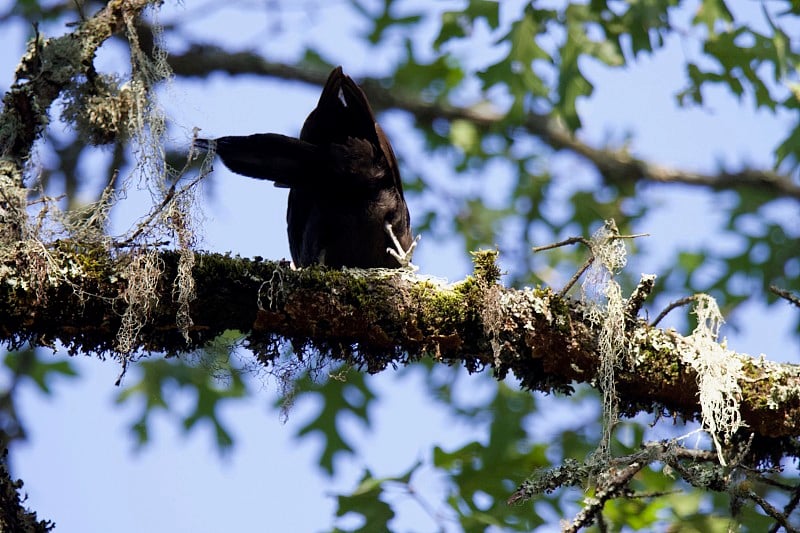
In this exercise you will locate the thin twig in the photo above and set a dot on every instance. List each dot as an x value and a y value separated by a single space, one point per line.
640 294
567 242
788 508
171 194
583 240
772 511
574 279
579 273
46 199
673 305
124 370
612 487
631 236
655 494
786 295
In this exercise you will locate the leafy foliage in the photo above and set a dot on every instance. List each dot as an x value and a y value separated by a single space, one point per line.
532 69
480 473
29 364
26 366
365 501
345 393
160 379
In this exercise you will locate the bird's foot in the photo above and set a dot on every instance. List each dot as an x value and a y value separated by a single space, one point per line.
403 256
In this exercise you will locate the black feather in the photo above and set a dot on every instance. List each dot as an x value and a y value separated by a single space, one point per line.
343 178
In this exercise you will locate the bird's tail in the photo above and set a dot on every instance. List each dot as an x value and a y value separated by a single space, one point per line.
287 161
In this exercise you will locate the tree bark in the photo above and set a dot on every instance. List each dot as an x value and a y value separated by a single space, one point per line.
372 319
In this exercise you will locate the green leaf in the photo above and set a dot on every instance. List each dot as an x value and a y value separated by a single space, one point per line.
366 501
645 23
638 514
740 61
28 364
691 261
213 381
489 10
453 27
459 24
347 394
313 60
711 11
788 151
697 78
571 82
432 81
382 23
483 476
515 71
465 135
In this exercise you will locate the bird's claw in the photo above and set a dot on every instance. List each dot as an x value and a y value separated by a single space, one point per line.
403 256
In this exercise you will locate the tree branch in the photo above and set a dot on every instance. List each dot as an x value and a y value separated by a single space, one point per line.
48 67
373 319
613 164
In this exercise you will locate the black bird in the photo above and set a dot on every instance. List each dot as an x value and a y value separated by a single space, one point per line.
346 204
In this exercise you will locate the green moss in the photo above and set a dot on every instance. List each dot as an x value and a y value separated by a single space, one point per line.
226 265
559 308
92 260
447 307
358 289
660 363
486 268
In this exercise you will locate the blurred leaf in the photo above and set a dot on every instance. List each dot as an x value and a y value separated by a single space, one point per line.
482 476
432 81
28 364
211 385
365 501
454 26
346 393
478 223
690 261
636 513
489 10
458 24
386 20
634 26
571 82
788 151
515 71
711 11
465 135
313 60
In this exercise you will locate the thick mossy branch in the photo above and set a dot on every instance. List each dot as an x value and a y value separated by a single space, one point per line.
373 319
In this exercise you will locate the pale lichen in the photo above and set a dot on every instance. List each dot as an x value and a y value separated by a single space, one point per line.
605 306
718 373
141 296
